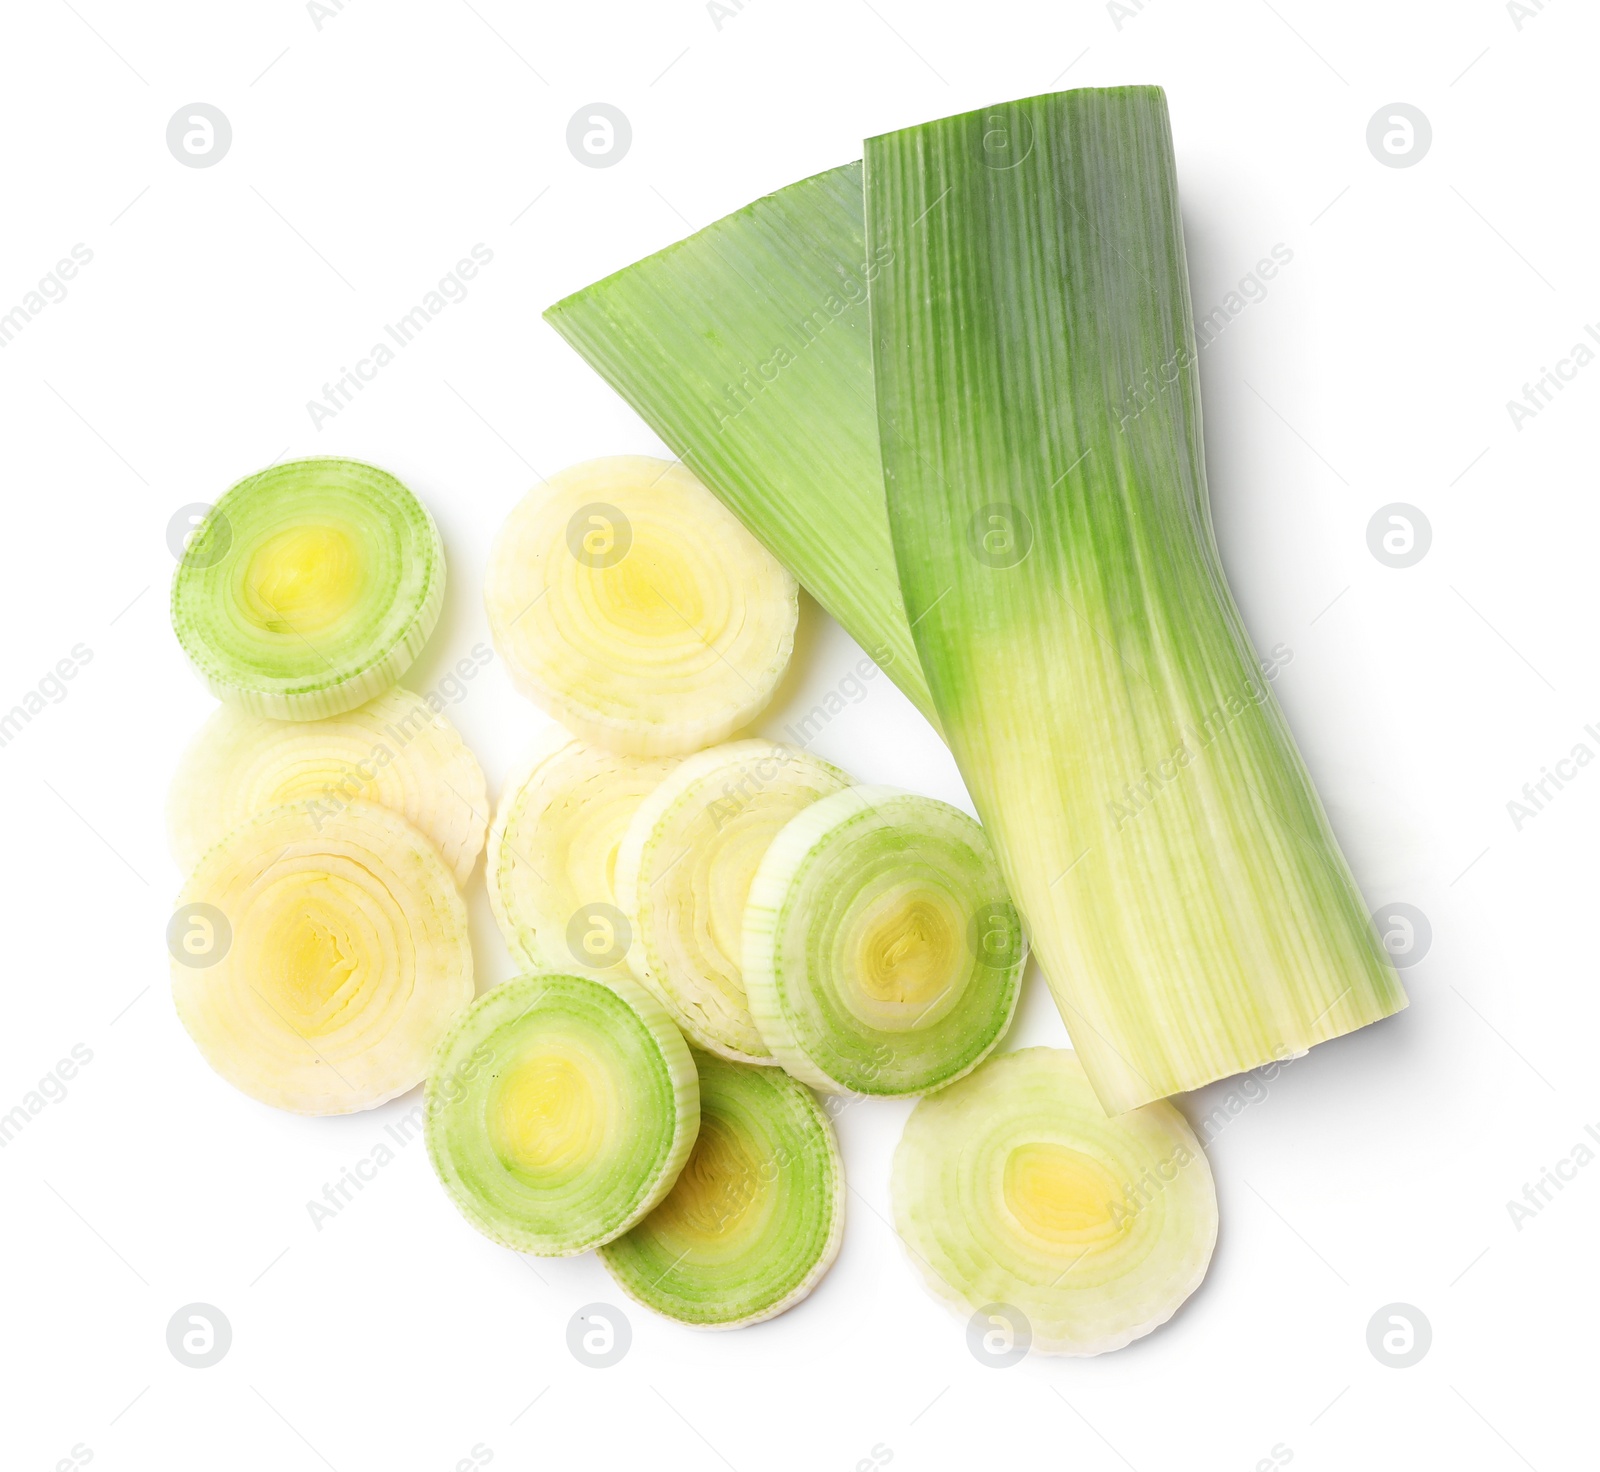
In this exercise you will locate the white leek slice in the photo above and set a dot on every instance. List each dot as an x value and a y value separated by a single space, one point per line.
756 1217
553 853
684 873
560 1110
308 589
345 961
394 751
1014 1190
630 604
881 952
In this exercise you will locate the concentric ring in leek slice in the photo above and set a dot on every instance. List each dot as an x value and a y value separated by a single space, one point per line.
346 961
553 853
684 873
1014 1187
630 604
881 952
395 751
560 1109
308 589
757 1214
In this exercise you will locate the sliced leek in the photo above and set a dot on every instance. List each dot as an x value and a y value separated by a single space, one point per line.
395 751
757 1214
553 853
560 1110
683 879
881 953
1013 1191
347 957
308 589
628 603
745 347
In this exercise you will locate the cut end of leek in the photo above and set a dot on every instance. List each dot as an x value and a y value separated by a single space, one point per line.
1013 1190
394 751
756 1217
347 958
560 1110
553 854
881 953
683 880
633 607
308 589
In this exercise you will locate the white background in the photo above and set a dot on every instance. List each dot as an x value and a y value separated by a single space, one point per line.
372 153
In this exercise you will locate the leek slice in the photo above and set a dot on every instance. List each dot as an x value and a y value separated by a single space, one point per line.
628 603
683 880
1039 412
560 1110
553 854
1013 1189
757 1215
349 958
308 589
395 751
745 347
881 952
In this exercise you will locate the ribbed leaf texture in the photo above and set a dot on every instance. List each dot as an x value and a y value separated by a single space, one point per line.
745 348
1039 413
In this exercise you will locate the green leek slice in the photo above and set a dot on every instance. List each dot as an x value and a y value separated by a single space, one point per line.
745 347
1013 1190
560 1110
757 1215
347 958
683 880
395 751
553 853
628 603
308 589
881 952
1178 878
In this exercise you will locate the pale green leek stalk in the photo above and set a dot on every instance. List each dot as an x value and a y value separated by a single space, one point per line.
1179 880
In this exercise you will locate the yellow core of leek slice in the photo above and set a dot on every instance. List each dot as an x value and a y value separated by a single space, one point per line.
310 948
304 579
1058 1194
651 593
547 1114
906 958
715 1192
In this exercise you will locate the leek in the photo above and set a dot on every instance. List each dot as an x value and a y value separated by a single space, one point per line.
757 1214
559 1111
349 958
1014 1194
631 606
308 589
882 955
1040 448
